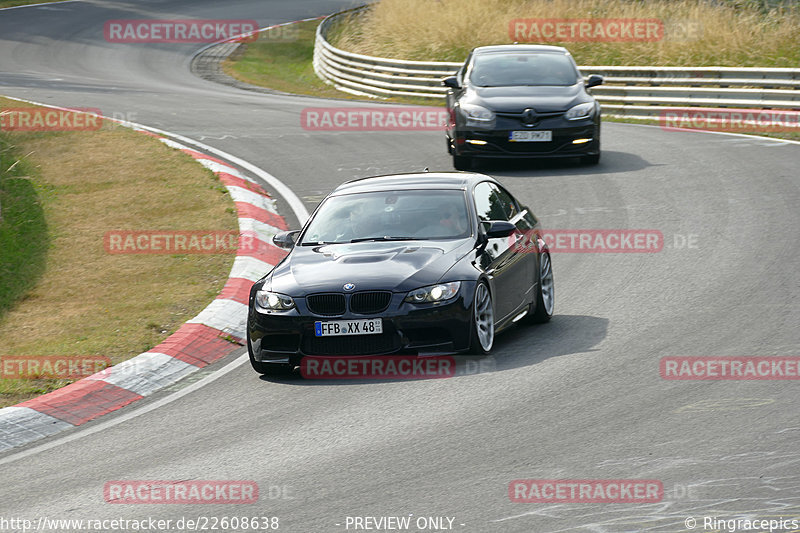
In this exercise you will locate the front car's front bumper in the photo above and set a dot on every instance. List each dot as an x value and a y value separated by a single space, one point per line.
287 336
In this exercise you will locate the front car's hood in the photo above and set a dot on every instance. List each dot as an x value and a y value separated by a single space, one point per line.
542 98
396 266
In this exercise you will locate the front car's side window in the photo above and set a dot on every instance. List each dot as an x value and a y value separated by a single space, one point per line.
490 204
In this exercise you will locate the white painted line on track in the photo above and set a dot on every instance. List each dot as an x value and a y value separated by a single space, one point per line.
92 429
243 267
692 130
41 4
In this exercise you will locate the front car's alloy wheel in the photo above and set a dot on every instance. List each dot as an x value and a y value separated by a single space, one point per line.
546 295
482 321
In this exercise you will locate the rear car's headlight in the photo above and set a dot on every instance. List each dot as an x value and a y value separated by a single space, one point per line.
478 116
580 111
274 301
434 293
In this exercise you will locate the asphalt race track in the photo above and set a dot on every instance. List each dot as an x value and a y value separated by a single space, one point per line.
576 399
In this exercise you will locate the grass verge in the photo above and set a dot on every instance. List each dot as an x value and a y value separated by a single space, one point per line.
733 33
85 301
287 66
14 3
23 229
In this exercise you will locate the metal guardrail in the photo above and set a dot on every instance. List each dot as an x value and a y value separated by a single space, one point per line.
634 92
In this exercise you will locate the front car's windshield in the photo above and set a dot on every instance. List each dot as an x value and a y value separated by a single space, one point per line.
387 215
523 68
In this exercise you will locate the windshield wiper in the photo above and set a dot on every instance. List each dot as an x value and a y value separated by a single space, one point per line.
365 239
320 243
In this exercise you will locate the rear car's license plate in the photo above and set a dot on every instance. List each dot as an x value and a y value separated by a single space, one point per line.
332 328
530 136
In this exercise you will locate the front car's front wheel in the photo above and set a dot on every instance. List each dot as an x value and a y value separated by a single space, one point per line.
482 335
546 295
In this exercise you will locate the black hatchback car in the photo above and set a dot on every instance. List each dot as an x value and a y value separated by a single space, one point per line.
512 101
409 263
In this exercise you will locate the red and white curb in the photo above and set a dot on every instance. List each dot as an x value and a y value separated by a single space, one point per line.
213 334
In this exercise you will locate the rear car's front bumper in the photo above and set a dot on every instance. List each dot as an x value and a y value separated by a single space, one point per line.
569 139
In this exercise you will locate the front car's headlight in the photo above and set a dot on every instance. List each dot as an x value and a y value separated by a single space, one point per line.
434 293
478 116
580 111
274 301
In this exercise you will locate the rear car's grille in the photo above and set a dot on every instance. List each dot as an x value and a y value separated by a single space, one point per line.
370 302
386 342
326 304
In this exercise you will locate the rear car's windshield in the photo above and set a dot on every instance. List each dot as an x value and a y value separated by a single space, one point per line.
384 215
522 68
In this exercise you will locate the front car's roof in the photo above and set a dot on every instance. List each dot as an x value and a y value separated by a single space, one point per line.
416 180
519 48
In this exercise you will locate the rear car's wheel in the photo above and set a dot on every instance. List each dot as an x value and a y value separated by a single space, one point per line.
482 335
462 162
546 295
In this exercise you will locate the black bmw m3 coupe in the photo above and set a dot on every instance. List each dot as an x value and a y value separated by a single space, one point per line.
408 263
521 101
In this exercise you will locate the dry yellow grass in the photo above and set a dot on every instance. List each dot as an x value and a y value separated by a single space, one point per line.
696 32
89 302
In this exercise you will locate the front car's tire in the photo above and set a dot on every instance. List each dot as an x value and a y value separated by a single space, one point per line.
482 327
546 294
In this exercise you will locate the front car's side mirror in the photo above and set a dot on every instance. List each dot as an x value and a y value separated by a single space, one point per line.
285 239
452 82
594 80
498 229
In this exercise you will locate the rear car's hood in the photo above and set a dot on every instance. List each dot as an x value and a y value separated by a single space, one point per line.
542 98
396 266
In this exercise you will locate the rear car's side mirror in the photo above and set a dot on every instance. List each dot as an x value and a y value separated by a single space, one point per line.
452 82
594 80
285 239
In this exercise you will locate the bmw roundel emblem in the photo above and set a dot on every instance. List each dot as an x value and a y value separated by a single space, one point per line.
349 286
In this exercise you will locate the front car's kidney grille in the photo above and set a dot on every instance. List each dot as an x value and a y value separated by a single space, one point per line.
326 304
370 302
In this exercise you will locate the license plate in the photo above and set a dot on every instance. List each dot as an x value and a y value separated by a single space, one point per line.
531 136
333 328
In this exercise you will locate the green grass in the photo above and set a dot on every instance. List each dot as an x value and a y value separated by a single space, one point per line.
14 3
61 292
23 229
287 67
696 32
